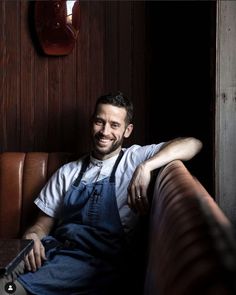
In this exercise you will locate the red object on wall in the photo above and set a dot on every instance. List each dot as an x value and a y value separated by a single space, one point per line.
57 25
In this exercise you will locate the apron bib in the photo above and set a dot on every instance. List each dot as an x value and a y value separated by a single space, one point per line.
86 253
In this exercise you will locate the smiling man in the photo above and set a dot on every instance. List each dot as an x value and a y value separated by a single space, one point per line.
89 209
110 127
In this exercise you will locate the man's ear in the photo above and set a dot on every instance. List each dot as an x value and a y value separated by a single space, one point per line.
128 130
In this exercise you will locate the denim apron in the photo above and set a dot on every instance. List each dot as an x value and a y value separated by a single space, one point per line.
86 253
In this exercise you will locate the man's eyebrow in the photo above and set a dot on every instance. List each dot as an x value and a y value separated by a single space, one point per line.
98 117
115 122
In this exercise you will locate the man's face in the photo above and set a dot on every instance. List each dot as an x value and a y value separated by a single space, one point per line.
109 129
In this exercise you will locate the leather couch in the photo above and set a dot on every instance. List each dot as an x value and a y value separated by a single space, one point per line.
190 245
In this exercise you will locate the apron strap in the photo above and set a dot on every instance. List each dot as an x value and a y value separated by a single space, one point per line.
82 170
86 162
112 177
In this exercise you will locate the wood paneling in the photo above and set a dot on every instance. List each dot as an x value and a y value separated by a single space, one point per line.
142 48
46 102
10 73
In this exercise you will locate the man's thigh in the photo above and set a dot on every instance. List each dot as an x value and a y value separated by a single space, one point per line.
9 285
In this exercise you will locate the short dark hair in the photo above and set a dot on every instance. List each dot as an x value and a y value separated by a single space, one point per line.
118 100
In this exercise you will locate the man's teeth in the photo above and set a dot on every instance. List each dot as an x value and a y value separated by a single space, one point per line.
104 140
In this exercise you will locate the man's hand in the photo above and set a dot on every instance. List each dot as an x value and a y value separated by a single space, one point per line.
137 190
40 229
34 260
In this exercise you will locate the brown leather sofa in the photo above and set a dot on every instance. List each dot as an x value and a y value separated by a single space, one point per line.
191 244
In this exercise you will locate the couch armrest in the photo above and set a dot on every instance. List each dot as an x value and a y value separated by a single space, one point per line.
192 249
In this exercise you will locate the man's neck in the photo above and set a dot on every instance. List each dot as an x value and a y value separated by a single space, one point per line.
103 157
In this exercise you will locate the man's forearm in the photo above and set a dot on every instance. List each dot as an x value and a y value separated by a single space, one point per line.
36 229
178 149
42 226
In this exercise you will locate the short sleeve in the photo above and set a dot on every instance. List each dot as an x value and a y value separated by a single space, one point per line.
51 197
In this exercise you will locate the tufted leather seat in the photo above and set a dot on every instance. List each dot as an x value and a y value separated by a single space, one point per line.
22 175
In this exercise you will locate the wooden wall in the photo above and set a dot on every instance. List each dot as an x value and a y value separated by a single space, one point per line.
159 53
46 102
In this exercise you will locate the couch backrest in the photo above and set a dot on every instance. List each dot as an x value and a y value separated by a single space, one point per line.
192 249
22 175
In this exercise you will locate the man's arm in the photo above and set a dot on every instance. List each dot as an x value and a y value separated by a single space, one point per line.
180 148
40 229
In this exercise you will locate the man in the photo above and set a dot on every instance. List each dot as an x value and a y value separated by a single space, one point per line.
90 207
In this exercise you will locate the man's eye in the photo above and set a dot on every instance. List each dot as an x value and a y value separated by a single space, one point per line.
115 125
98 122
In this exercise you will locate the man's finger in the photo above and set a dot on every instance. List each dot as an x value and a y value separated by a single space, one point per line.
27 264
32 261
42 252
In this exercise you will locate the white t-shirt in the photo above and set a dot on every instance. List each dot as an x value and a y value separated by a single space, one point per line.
51 197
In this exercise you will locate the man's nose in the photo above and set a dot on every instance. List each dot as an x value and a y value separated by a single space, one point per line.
106 129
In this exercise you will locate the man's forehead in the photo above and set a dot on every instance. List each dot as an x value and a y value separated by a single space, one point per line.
110 109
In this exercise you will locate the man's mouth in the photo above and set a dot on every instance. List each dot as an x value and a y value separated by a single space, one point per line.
102 140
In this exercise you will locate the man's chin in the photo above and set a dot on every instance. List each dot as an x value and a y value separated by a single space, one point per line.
104 152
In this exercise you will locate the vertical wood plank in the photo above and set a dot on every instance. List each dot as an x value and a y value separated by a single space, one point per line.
82 79
3 65
40 87
27 79
111 68
225 146
68 102
54 103
41 115
11 75
96 50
